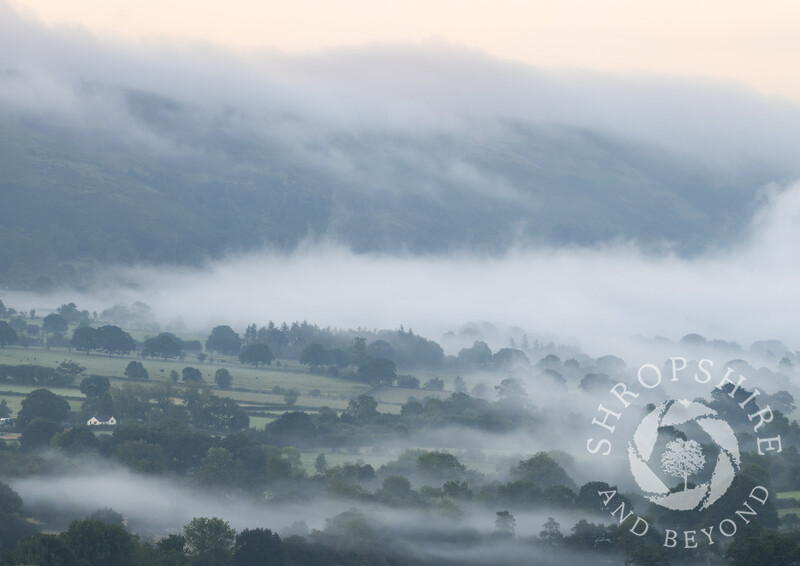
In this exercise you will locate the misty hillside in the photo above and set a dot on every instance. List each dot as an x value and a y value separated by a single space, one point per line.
75 196
116 155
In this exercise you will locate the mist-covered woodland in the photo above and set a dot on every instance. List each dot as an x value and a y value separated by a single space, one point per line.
391 304
287 443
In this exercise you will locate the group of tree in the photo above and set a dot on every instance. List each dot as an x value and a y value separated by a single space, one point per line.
43 414
8 336
109 339
334 347
353 538
256 354
421 480
165 346
224 340
376 371
362 424
480 356
36 375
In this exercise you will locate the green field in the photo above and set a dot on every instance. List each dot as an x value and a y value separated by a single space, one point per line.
788 495
252 387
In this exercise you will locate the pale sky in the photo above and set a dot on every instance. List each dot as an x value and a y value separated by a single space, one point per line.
757 43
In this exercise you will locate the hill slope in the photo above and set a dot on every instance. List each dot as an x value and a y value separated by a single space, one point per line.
77 196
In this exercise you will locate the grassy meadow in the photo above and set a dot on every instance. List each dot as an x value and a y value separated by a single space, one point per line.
253 388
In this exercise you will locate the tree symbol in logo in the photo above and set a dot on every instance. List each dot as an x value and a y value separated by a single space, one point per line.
682 458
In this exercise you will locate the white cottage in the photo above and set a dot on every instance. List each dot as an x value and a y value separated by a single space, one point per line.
99 420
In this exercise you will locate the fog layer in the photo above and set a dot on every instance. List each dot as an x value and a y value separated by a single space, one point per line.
599 296
739 287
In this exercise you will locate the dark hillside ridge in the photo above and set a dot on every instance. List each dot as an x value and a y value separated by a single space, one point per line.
74 198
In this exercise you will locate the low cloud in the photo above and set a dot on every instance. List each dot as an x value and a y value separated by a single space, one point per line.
320 107
595 297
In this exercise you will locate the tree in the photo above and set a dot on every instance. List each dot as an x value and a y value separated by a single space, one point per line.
10 501
455 489
7 335
141 456
434 384
764 549
136 370
224 340
43 549
114 340
53 323
782 401
407 382
18 324
100 544
321 464
256 354
258 547
293 428
223 379
363 408
509 358
380 349
551 532
77 440
66 372
166 345
37 434
95 386
358 350
84 339
191 374
479 356
107 515
377 371
5 411
170 551
395 489
193 346
44 404
505 523
72 314
210 541
511 391
542 471
650 553
250 335
290 397
439 465
682 458
217 467
313 355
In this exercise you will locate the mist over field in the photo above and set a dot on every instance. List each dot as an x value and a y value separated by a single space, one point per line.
158 507
550 228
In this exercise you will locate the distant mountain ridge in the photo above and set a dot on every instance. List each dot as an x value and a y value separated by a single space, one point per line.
75 197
